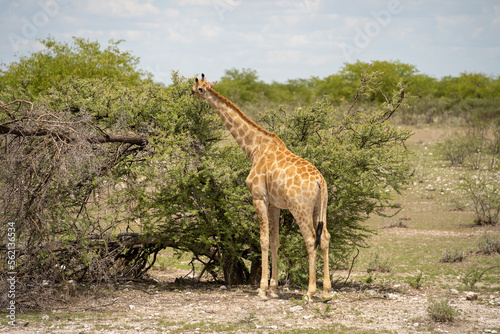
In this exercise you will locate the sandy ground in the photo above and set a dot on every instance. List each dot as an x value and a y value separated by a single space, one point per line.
189 307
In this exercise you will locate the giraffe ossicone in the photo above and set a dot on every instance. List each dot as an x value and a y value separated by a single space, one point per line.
278 180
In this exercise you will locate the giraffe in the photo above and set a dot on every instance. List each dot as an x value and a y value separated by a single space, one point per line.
278 180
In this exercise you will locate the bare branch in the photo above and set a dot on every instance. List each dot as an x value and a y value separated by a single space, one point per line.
101 139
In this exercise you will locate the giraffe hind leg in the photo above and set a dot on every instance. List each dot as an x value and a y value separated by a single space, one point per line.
327 286
308 233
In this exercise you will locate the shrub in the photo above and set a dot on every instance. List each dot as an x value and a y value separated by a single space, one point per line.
398 224
473 146
483 193
378 264
489 244
453 255
441 311
453 149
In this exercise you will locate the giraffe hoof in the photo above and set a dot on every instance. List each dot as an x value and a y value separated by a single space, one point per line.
273 294
262 295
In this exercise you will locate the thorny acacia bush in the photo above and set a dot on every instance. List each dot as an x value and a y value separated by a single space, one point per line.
204 202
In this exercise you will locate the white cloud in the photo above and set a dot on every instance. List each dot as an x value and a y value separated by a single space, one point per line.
496 15
197 2
478 32
310 5
88 33
448 22
283 56
123 8
298 41
316 60
211 31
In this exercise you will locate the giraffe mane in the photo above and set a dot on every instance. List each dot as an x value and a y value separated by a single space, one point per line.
245 117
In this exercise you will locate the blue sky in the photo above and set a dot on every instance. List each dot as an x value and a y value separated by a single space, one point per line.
281 39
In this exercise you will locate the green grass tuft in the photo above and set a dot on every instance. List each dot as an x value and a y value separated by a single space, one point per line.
441 311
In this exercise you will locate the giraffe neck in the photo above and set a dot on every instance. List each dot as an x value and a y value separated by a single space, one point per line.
247 134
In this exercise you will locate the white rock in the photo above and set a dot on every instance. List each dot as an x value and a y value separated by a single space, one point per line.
371 292
132 307
297 308
471 295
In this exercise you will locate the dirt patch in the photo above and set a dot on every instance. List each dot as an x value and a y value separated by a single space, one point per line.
169 307
423 135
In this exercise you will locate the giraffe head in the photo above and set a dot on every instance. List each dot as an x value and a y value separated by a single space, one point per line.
200 87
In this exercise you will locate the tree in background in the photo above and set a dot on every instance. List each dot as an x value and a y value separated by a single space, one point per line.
82 59
468 95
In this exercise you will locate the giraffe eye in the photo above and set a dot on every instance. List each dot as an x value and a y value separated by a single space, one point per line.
200 90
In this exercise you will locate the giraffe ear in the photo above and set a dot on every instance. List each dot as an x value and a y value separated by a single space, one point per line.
212 84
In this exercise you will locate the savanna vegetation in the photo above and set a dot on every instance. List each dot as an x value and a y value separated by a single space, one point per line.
102 168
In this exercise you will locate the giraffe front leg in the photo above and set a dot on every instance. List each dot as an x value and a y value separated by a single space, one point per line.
261 209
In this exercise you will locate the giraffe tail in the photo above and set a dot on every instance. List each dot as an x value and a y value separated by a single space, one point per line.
321 223
319 231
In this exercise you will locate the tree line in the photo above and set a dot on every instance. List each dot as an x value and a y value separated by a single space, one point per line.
243 85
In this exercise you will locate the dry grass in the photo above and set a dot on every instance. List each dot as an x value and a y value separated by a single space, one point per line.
437 219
